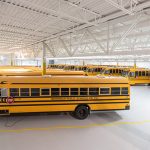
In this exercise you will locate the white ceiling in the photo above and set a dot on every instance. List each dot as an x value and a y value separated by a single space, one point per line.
75 27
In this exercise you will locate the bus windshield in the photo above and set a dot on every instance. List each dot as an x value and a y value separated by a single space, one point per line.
102 71
107 72
125 73
132 74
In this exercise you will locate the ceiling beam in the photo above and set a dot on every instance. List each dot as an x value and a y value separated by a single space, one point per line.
97 42
120 6
65 47
58 14
50 49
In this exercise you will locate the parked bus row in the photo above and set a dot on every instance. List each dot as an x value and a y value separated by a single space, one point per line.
133 74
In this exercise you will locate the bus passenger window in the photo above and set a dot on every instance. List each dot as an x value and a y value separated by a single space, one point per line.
143 73
110 70
83 91
54 91
35 92
4 92
116 70
139 73
115 91
104 90
24 91
45 92
74 91
14 92
136 73
132 74
64 91
107 72
146 73
93 91
124 91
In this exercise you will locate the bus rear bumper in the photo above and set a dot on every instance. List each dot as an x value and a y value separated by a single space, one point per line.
127 107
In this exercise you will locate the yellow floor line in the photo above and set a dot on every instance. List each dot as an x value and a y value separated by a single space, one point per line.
75 127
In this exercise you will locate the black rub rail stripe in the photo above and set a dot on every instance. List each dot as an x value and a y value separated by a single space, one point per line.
72 100
61 104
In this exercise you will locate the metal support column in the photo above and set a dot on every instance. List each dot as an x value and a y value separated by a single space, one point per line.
44 60
134 64
12 59
117 63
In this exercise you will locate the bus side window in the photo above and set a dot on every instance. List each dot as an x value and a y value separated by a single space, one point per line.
64 91
94 91
83 91
136 74
74 92
107 71
35 92
45 91
132 74
143 73
4 92
115 91
14 92
124 91
116 70
139 73
146 73
104 91
54 91
111 71
24 91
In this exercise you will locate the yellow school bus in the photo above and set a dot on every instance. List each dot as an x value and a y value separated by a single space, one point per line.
53 66
80 68
29 72
112 71
137 75
78 95
19 67
69 67
94 70
61 66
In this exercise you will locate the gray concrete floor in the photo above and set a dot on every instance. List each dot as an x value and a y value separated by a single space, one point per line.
120 130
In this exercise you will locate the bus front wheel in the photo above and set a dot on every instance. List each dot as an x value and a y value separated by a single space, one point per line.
81 112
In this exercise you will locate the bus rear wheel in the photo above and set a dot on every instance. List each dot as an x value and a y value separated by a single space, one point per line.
81 112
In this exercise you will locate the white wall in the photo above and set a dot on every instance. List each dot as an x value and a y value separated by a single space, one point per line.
5 60
98 62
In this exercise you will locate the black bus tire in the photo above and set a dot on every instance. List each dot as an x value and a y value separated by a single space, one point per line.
81 112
